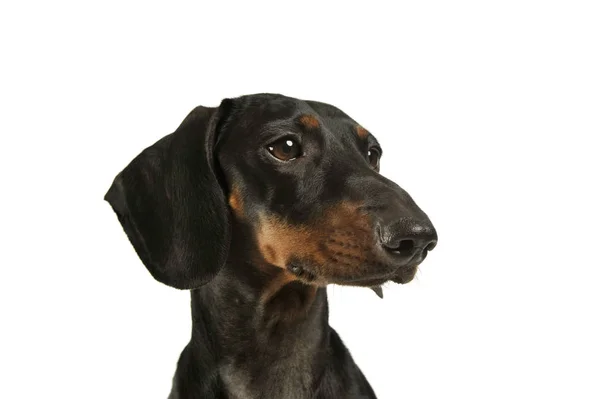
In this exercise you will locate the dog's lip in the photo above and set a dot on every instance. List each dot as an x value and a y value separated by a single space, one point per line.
366 281
402 275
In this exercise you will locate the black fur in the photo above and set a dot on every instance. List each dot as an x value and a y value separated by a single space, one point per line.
260 329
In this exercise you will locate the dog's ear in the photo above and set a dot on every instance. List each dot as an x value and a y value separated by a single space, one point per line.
172 206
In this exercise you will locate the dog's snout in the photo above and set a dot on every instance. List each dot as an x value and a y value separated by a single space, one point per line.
407 237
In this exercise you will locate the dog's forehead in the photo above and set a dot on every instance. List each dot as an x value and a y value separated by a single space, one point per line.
271 112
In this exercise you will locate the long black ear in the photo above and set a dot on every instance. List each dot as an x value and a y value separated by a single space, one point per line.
172 206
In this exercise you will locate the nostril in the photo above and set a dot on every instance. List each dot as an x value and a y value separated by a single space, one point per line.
407 237
403 247
406 246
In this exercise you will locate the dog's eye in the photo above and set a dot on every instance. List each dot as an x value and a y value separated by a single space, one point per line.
374 155
285 149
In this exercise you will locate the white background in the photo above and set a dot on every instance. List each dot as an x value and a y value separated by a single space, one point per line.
488 113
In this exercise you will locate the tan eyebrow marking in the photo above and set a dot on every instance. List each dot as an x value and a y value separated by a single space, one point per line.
309 121
362 132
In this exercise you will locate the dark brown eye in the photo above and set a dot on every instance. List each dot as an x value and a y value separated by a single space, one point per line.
374 154
285 149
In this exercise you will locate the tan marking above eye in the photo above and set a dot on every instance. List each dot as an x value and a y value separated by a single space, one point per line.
309 121
362 132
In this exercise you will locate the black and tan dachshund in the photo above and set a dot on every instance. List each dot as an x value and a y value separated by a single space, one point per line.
256 206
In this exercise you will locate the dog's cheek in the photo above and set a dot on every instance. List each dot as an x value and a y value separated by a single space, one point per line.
337 244
281 244
274 240
236 201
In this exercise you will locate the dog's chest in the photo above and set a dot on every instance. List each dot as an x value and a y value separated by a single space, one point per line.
279 380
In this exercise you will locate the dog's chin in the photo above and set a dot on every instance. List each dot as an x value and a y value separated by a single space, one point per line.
406 275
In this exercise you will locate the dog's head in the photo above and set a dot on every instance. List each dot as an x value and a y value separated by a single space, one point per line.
300 177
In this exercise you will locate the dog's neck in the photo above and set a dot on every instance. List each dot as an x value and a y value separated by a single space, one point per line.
264 328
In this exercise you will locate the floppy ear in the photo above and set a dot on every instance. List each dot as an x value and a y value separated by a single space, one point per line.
172 206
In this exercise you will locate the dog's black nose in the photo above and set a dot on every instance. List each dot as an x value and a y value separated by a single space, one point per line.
407 237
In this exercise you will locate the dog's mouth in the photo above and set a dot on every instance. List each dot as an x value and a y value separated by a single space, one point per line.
342 247
401 272
349 259
401 275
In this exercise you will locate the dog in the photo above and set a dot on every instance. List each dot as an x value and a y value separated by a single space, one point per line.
256 206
